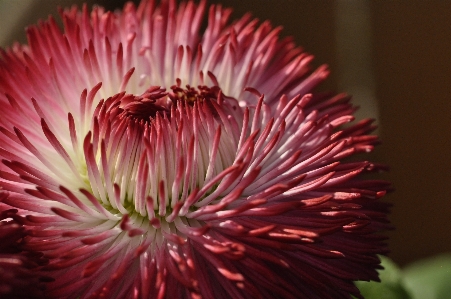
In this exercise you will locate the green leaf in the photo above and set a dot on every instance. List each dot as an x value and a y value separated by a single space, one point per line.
429 278
390 287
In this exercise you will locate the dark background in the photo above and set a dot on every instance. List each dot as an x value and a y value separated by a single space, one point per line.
410 59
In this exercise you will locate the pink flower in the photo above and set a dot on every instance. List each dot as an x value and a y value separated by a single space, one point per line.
149 159
19 277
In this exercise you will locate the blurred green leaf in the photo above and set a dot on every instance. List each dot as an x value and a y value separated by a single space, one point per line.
390 287
429 278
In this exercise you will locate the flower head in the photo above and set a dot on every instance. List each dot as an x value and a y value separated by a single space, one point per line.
19 275
150 159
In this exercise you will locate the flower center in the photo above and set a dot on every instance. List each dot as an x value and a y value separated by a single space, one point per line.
190 94
155 100
147 155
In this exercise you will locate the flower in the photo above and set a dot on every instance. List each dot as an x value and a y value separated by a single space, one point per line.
18 275
150 160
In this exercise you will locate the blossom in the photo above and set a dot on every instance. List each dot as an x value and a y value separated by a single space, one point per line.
149 158
18 278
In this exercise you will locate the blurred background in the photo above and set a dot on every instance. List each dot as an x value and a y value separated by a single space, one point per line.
394 57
